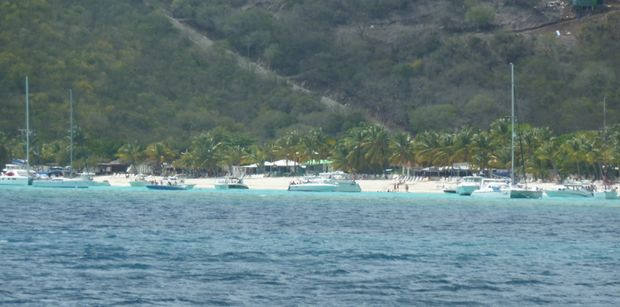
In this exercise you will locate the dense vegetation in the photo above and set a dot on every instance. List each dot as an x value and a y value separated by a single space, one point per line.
145 93
134 79
444 67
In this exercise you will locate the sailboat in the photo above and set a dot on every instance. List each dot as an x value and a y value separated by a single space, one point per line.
18 172
609 191
64 182
513 189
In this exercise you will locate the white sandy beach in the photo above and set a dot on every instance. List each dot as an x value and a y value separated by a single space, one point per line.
281 183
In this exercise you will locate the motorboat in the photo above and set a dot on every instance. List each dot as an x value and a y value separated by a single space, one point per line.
15 174
449 189
501 188
81 182
231 183
468 184
524 192
326 182
570 190
169 183
140 181
492 188
60 182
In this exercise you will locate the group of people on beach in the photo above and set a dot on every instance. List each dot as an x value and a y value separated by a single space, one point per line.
396 187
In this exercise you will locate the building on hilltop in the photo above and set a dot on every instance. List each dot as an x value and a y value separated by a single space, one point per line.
586 3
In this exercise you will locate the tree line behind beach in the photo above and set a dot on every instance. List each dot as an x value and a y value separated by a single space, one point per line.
364 149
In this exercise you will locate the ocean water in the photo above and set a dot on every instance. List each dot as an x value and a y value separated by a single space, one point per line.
118 246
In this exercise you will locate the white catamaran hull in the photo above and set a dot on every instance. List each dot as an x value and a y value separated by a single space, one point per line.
61 183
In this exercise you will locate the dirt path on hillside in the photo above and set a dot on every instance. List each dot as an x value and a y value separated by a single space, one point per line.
205 44
571 23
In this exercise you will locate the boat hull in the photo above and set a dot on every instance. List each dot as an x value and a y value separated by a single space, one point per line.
170 187
231 186
324 187
62 183
12 180
568 193
526 194
466 190
138 184
489 194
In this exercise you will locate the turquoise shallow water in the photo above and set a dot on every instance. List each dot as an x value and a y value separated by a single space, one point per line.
107 246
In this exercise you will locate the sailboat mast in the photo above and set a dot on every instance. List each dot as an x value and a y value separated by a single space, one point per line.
27 130
605 118
71 129
512 117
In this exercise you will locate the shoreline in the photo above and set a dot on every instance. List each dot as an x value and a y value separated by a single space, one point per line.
282 183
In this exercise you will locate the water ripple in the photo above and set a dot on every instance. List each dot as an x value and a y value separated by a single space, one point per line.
134 247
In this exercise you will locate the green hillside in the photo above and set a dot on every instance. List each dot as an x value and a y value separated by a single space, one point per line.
143 90
441 64
134 78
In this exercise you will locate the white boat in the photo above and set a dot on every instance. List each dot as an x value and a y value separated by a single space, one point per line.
468 184
505 190
570 190
61 182
170 185
326 182
492 188
512 189
230 183
15 174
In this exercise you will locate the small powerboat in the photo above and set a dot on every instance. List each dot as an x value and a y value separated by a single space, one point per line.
230 183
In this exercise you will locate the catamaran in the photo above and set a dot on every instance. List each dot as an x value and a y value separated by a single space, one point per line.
513 189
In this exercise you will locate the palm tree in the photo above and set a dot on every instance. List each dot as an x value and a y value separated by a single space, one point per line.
426 145
401 146
158 154
353 148
461 145
234 154
205 153
482 150
547 155
376 146
55 152
289 146
130 153
256 154
315 145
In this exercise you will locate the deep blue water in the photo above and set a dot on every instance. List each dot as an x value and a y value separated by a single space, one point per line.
110 246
